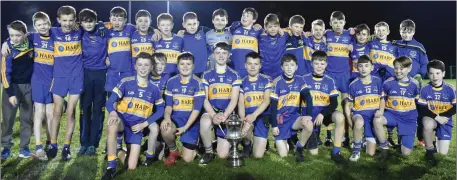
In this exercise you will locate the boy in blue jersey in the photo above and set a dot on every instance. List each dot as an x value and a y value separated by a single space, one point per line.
438 103
285 108
185 95
245 40
194 41
94 45
68 76
253 103
410 47
135 104
365 95
272 46
119 48
323 109
295 42
383 53
41 80
170 44
400 95
222 86
339 45
141 39
155 149
16 74
360 48
220 33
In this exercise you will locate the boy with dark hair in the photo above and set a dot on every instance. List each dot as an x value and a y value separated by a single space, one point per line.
94 44
220 33
295 43
365 94
438 103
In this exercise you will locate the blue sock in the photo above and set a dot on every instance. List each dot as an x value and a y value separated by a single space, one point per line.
357 147
336 150
299 145
38 147
66 146
54 145
149 154
383 145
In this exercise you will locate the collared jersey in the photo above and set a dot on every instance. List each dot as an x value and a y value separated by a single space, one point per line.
137 101
401 97
438 100
244 41
141 43
67 53
196 44
119 49
171 48
287 93
220 85
253 90
95 48
184 96
43 48
321 90
272 49
337 51
383 55
365 96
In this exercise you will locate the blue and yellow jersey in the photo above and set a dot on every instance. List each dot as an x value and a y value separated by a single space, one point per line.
253 90
365 96
244 41
67 53
438 100
43 48
383 55
337 51
401 97
271 51
184 96
312 44
141 43
287 93
196 44
136 101
171 48
161 82
357 51
220 85
321 89
119 49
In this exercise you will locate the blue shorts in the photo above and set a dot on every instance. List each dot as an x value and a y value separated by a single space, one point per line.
406 131
341 81
41 93
285 129
192 134
67 85
260 127
368 128
220 133
113 78
444 132
133 138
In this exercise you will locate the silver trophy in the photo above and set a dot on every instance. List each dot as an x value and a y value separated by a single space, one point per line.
234 136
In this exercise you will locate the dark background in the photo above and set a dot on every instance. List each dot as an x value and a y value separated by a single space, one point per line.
435 21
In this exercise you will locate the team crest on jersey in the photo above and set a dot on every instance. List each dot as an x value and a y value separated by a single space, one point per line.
246 88
375 46
134 40
229 79
149 95
282 91
413 54
59 38
429 97
273 42
345 39
237 31
198 36
191 91
445 97
393 92
325 87
359 92
261 86
375 90
175 45
212 80
131 93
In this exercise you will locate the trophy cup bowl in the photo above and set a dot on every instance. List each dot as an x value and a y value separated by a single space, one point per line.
234 136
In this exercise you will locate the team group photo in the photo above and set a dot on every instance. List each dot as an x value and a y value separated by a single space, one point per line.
228 90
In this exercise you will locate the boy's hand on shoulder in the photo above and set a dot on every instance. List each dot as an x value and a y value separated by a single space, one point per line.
181 33
157 35
257 27
351 31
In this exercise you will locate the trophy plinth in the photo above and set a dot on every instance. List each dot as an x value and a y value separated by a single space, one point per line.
233 136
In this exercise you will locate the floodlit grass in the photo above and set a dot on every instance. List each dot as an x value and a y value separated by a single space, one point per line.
269 167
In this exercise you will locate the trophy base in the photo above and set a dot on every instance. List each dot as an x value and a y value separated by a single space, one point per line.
235 162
